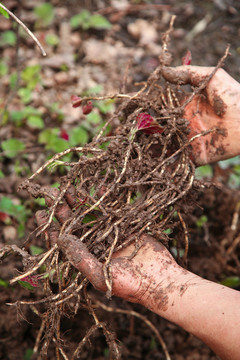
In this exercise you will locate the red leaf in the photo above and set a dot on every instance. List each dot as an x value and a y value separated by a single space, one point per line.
153 129
32 280
4 216
147 124
87 108
64 135
76 101
187 58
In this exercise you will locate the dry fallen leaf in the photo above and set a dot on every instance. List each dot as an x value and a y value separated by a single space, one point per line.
144 31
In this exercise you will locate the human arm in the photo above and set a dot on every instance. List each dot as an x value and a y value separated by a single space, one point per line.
153 278
217 106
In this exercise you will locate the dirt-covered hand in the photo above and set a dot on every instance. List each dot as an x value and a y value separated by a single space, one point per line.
216 107
146 278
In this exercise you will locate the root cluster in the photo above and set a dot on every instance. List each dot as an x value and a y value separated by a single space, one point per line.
126 184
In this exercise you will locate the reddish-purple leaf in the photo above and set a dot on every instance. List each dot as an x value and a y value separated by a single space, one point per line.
144 121
81 202
87 108
64 135
4 216
76 101
187 58
147 124
32 280
153 129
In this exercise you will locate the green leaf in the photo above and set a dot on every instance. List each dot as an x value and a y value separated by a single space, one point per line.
3 283
231 281
94 118
153 344
26 285
21 230
88 218
25 94
95 90
28 354
18 211
4 13
31 76
78 136
236 169
201 221
85 20
55 185
48 135
40 202
13 80
45 14
204 171
17 116
99 22
3 68
36 250
52 39
12 147
58 145
8 38
168 231
105 106
35 122
81 19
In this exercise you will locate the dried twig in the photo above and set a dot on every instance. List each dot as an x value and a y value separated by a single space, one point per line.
143 318
185 238
36 267
25 28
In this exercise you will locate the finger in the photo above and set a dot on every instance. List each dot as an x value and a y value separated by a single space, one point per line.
186 74
79 256
51 234
63 211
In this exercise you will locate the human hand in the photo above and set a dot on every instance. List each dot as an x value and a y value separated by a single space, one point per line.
216 107
147 278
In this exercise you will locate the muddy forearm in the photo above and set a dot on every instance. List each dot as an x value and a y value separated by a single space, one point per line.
207 310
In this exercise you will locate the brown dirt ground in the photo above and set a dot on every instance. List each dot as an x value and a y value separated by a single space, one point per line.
210 252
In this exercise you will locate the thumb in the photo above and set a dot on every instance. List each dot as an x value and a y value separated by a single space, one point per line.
79 256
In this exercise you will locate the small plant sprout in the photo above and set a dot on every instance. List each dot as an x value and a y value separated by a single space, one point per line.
76 101
87 108
32 280
64 135
148 124
187 58
54 164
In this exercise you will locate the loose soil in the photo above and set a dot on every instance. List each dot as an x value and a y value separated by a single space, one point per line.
125 200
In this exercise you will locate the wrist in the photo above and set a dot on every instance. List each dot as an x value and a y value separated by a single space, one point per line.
208 310
163 293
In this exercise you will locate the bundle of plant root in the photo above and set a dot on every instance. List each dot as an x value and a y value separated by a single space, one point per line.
135 181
